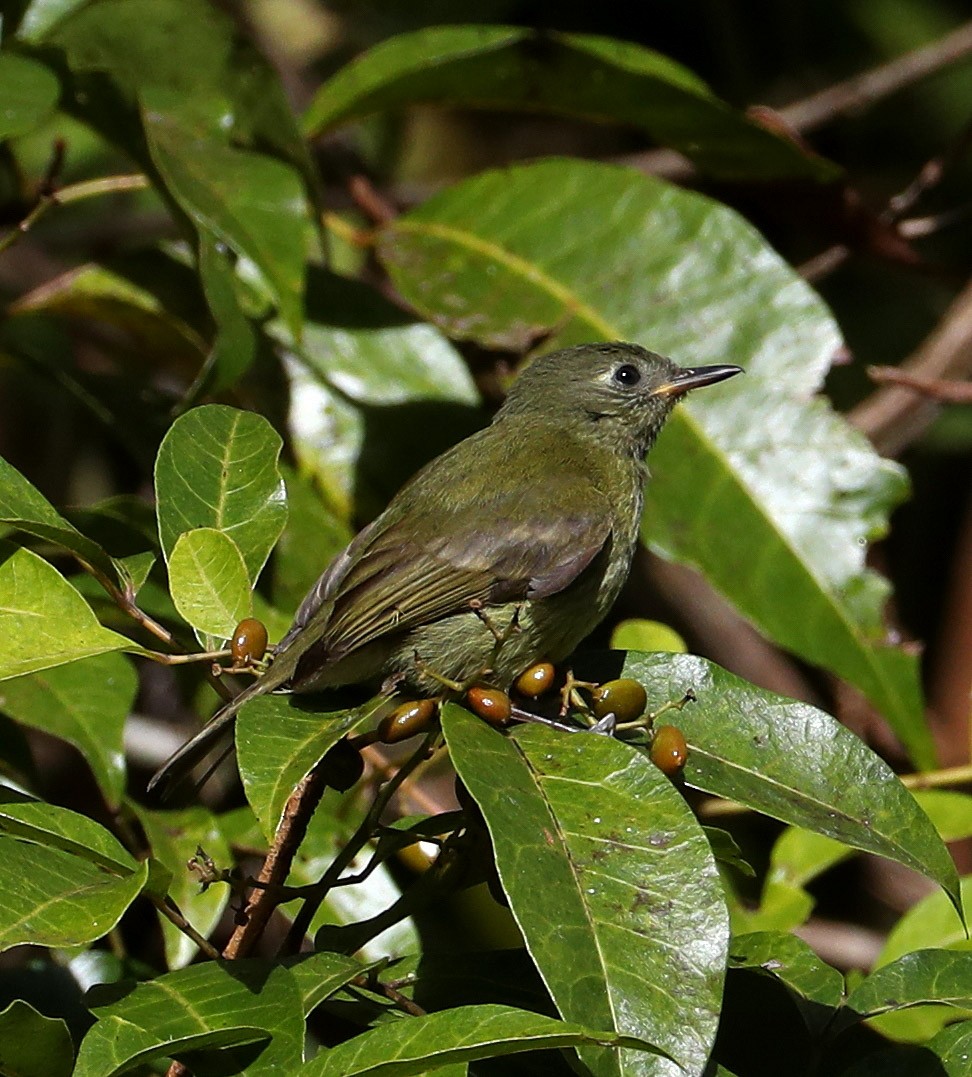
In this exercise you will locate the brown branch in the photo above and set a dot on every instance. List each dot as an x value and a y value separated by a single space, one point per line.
276 867
895 416
944 391
866 89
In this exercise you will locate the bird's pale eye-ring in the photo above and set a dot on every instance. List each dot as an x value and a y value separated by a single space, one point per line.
627 375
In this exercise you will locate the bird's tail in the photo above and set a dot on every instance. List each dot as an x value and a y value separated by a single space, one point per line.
182 761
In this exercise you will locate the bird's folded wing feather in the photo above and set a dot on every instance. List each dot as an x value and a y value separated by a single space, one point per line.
493 553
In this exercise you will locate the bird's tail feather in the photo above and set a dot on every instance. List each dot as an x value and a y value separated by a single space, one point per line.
182 761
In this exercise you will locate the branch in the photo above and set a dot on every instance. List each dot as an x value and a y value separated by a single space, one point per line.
895 416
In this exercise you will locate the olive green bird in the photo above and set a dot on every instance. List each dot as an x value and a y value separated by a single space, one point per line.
506 550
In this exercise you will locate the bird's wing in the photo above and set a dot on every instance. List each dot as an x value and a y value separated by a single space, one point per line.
498 551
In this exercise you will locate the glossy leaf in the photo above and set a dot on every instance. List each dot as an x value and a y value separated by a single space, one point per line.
217 467
505 67
32 1045
85 703
211 1005
174 837
28 94
320 975
930 923
766 490
209 582
940 976
374 394
791 761
278 742
61 828
465 1033
631 931
817 988
44 622
248 201
49 897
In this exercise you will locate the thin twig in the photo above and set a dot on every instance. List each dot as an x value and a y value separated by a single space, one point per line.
168 908
942 390
354 845
872 86
895 416
74 192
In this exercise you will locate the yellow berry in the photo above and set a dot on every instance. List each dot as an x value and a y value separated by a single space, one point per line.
535 681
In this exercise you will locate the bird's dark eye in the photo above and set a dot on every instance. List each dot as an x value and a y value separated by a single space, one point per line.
627 375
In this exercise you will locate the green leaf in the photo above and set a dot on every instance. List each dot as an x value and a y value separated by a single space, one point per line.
600 78
235 346
816 988
209 581
931 922
174 837
95 294
60 828
277 744
217 467
85 703
639 634
212 1005
320 975
49 897
751 475
466 1033
791 761
28 94
610 879
951 812
939 976
32 1045
314 535
41 15
365 380
44 622
248 201
23 506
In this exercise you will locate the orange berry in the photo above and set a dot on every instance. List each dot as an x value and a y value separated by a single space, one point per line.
490 704
535 681
249 642
668 749
406 721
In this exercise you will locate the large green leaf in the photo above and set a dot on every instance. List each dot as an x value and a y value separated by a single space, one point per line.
44 622
49 897
465 1033
85 703
32 1045
217 467
23 506
505 67
610 879
791 761
60 828
939 976
28 94
251 202
764 489
277 743
174 837
209 582
207 1006
373 393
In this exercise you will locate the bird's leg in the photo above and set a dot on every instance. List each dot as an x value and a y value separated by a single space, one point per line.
447 682
522 715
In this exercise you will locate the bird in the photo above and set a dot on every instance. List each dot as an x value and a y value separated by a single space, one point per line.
506 550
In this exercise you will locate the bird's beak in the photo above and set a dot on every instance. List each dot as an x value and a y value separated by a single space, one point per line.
694 377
